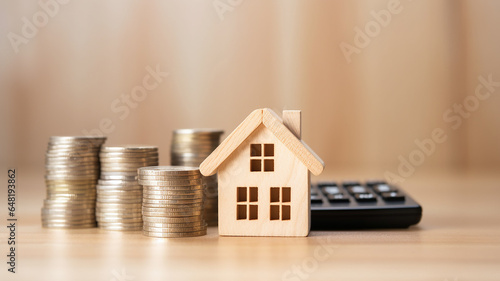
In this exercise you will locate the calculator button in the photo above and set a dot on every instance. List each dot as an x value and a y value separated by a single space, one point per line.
393 196
331 190
372 183
338 198
316 199
350 183
357 189
365 197
322 184
383 188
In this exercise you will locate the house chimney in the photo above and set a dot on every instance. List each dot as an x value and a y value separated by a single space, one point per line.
292 119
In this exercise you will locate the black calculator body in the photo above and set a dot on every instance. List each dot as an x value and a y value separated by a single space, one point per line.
357 205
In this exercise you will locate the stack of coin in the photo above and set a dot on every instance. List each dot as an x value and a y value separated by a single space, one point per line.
172 203
119 195
190 147
72 170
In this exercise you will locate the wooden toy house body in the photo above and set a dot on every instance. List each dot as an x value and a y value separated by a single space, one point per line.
247 214
264 182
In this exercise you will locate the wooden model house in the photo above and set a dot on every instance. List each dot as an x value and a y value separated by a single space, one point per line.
263 173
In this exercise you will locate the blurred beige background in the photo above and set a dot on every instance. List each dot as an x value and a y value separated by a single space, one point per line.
228 57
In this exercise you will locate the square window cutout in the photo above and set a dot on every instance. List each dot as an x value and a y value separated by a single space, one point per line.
269 149
255 165
268 165
256 150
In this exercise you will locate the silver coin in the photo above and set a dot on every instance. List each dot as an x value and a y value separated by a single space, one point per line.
168 170
68 221
189 194
175 235
122 214
159 184
122 201
68 226
173 207
175 197
175 229
121 228
191 149
127 199
67 156
129 154
118 184
77 138
145 159
60 196
119 169
170 177
132 190
117 188
173 201
124 165
128 162
169 220
64 217
130 147
173 214
120 223
62 146
80 189
171 195
67 201
104 188
54 177
67 211
180 188
76 152
118 177
105 174
176 182
200 131
118 205
64 172
198 223
119 214
112 182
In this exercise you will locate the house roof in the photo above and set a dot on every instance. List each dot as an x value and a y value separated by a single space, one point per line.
274 123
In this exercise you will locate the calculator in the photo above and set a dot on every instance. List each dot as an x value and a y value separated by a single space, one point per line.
362 205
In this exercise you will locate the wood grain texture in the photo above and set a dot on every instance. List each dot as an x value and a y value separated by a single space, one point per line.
370 110
210 165
275 124
457 239
288 172
302 151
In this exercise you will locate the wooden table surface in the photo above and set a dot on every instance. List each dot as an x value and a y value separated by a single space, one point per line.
457 239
